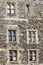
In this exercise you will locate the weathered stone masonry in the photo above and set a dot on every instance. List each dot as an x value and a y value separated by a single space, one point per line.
24 19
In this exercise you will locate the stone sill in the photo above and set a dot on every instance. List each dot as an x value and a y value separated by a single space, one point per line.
33 61
9 14
13 62
24 62
12 42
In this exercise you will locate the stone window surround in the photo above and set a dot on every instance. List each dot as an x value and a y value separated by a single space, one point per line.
13 27
9 57
36 36
14 8
18 55
11 35
10 7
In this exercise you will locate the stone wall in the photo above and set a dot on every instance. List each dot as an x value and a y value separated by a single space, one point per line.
35 21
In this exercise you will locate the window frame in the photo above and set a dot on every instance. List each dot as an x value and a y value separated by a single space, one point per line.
32 51
32 30
10 9
12 35
13 55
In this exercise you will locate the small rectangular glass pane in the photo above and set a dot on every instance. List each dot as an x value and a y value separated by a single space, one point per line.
8 11
10 53
30 55
34 55
33 39
33 36
14 58
14 36
29 34
8 6
14 53
12 11
10 36
12 6
34 58
11 56
30 39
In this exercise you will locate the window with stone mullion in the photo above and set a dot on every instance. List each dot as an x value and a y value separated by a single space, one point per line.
10 8
13 55
32 55
12 35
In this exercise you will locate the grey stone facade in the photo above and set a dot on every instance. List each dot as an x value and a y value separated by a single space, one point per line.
23 19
